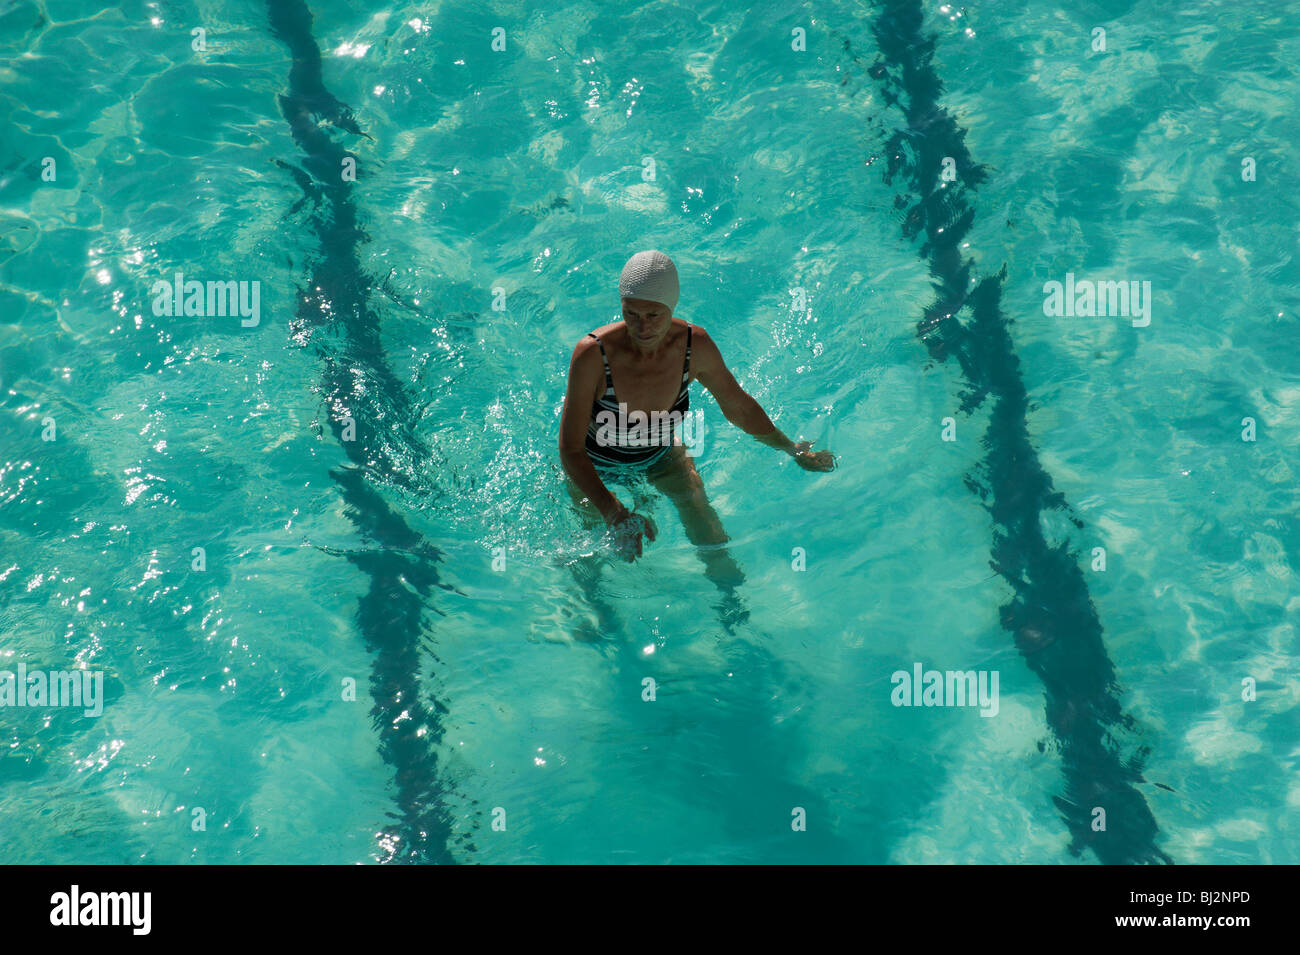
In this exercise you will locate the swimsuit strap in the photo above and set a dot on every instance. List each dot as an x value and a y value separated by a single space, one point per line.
609 381
686 368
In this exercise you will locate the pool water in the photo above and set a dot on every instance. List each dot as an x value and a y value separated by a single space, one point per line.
326 562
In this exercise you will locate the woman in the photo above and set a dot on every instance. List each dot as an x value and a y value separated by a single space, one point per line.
644 365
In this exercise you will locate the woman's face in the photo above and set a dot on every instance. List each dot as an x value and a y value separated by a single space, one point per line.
647 322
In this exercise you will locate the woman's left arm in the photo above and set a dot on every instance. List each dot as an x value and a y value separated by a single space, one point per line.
742 410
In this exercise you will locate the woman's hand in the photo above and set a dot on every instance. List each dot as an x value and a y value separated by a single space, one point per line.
802 452
625 534
811 460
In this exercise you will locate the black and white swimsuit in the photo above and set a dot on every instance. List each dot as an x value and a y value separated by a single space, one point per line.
635 442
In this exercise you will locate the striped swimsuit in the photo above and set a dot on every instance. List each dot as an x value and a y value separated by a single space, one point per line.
636 446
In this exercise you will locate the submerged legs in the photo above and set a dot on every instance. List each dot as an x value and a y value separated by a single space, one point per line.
677 478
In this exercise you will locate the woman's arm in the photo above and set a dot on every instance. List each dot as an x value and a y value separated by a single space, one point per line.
742 410
586 373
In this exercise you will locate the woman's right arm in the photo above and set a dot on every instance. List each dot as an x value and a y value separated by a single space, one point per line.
586 373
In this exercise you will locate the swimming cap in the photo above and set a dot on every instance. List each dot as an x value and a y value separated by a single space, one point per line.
652 276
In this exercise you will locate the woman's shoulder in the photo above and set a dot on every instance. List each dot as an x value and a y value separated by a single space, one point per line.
606 332
614 334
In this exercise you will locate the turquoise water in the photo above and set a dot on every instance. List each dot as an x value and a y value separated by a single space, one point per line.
431 557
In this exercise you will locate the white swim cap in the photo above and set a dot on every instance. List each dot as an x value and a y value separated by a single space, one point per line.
652 276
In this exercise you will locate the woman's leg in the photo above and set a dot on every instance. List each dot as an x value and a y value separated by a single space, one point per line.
675 475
